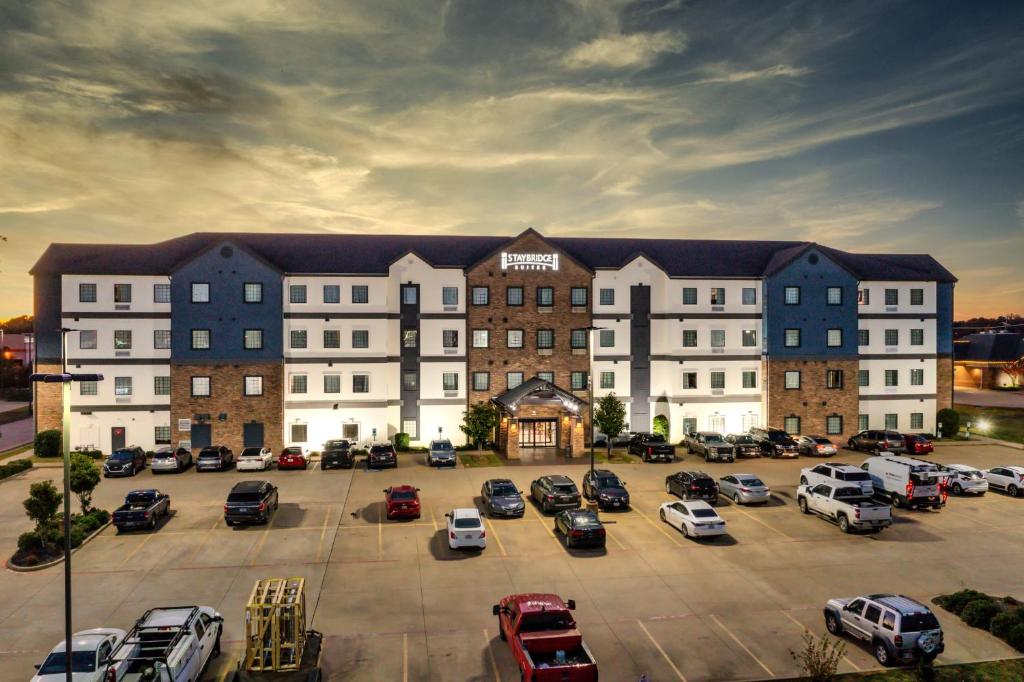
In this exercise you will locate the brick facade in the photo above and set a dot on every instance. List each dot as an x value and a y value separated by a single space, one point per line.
943 383
46 402
813 402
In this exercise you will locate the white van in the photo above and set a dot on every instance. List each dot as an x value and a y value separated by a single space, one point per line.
907 482
167 645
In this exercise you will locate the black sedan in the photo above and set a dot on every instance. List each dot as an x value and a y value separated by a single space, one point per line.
250 502
337 458
125 462
580 528
501 497
382 456
692 485
606 488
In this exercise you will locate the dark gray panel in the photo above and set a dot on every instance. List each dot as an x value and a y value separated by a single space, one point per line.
46 308
409 314
640 350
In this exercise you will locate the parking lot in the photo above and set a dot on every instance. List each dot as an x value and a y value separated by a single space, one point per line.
394 603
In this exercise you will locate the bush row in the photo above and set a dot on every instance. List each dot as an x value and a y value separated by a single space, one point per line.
1002 616
15 467
81 526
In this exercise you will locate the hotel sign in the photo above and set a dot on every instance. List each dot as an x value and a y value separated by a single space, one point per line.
529 261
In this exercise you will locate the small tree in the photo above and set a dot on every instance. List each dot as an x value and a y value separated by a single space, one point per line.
610 417
478 422
42 505
819 659
1015 370
84 477
47 443
950 420
661 425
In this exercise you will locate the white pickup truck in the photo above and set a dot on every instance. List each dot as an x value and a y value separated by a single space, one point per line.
171 644
846 505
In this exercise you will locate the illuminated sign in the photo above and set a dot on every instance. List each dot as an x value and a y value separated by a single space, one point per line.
529 261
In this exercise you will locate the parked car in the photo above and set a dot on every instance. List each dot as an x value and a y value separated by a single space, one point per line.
900 629
293 457
692 485
339 455
916 444
876 441
579 528
1010 479
712 446
651 447
381 456
336 444
251 502
543 638
255 459
907 482
815 446
743 445
441 453
141 509
501 497
171 459
89 650
836 473
402 502
176 641
215 458
555 492
694 518
607 489
845 504
466 529
963 479
125 462
774 442
744 489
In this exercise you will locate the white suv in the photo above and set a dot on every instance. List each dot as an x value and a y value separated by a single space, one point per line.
900 629
1010 479
965 479
837 475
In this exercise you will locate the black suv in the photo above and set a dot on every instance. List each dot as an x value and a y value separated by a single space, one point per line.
878 441
774 442
606 488
692 485
216 457
337 454
250 502
744 445
711 445
651 447
125 462
555 492
382 456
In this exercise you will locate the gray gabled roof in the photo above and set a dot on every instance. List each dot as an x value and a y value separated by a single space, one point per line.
510 399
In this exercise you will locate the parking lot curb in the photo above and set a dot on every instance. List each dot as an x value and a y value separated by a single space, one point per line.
40 567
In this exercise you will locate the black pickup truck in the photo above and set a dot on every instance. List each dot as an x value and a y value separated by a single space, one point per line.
651 447
141 509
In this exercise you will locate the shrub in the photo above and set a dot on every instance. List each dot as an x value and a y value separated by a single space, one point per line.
1015 637
42 504
101 515
30 541
979 613
401 442
77 536
88 523
15 467
819 659
1004 622
950 420
47 443
956 602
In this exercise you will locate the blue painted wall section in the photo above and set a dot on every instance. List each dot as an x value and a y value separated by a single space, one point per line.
944 318
47 315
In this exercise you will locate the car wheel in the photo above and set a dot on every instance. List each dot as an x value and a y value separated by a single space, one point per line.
832 624
152 523
216 648
661 513
736 498
882 654
802 503
844 524
686 533
668 488
896 501
957 490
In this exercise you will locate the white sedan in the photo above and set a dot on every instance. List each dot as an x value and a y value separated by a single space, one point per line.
255 459
1010 479
466 529
695 518
89 649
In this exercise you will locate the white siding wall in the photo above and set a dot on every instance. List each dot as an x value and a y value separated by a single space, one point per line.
94 429
876 302
142 293
877 409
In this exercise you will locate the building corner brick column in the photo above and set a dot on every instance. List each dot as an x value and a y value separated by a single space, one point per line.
943 383
47 408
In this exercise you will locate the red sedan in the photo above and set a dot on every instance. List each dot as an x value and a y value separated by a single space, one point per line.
402 502
293 458
917 445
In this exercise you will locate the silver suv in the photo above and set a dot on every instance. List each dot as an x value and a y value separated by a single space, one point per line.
899 629
441 453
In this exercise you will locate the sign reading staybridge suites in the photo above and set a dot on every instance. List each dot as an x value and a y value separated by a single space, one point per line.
529 261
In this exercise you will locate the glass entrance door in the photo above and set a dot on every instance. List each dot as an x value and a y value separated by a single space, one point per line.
539 433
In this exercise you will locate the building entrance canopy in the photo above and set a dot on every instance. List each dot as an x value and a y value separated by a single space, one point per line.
537 392
538 414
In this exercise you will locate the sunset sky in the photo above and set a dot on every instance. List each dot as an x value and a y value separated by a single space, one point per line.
869 126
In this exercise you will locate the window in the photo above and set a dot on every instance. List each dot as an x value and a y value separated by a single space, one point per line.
161 436
299 383
514 296
792 296
689 380
162 385
200 387
863 337
513 379
88 388
360 383
332 338
864 298
791 424
717 338
578 338
86 292
834 338
607 379
717 296
514 338
833 378
892 296
360 293
449 295
297 293
332 293
834 295
749 296
252 385
718 380
360 338
791 379
749 378
917 297
410 381
545 338
578 297
122 339
833 425
200 292
607 296
409 426
792 338
122 293
299 433
297 338
481 296
253 339
862 422
689 338
545 297
87 339
546 376
749 338
892 337
481 338
916 337
917 377
892 421
410 338
689 296
481 381
450 338
450 381
410 295
606 338
892 377
863 377
332 383
578 381
161 293
917 420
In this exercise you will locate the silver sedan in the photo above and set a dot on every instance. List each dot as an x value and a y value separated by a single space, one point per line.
744 489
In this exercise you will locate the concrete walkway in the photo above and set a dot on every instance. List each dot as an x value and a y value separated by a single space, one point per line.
983 398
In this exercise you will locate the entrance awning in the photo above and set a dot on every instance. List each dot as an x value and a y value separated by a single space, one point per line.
537 391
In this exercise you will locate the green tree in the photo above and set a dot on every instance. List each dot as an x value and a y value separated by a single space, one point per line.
42 505
950 420
85 476
661 425
610 417
478 422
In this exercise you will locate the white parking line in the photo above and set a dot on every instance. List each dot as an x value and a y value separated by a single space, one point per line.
501 545
661 651
757 520
804 628
405 657
490 656
658 527
741 645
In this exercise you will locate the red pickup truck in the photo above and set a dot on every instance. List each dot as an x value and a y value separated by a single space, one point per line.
542 634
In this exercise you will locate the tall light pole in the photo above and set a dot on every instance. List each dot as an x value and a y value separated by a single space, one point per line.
590 386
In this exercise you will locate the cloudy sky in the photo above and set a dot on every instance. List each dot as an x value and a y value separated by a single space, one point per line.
871 126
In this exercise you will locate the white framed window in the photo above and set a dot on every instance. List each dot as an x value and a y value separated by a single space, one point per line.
450 381
749 378
409 427
606 338
332 293
917 377
200 339
749 338
449 295
360 293
791 379
87 339
200 292
297 338
252 385
87 292
481 381
161 339
332 338
514 338
88 388
360 383
299 383
332 383
792 338
481 338
834 338
791 424
200 387
161 293
450 338
299 433
607 379
122 339
253 339
161 385
252 292
834 296
791 295
360 338
833 424
297 293
718 338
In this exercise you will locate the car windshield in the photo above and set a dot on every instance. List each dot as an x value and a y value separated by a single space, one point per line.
742 439
250 496
917 622
655 438
121 456
778 437
213 452
822 441
751 482
137 498
380 449
609 482
538 622
252 452
585 520
466 522
714 438
853 476
441 445
565 488
504 490
336 444
81 662
704 513
160 454
403 495
292 451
